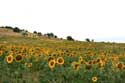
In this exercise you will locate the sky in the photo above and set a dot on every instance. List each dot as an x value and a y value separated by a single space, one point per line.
101 20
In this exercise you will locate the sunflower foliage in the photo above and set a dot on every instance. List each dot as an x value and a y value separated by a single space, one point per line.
61 64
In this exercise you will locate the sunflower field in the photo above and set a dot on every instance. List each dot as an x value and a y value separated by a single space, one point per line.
61 62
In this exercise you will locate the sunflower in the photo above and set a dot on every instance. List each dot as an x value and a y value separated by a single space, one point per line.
50 58
60 60
94 62
80 58
94 79
18 58
11 52
52 64
9 59
119 65
81 62
1 52
76 65
29 65
90 62
71 55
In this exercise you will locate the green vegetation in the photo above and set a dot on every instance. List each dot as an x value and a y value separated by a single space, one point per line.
41 59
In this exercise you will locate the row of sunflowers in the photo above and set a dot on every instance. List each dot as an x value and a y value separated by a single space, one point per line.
26 64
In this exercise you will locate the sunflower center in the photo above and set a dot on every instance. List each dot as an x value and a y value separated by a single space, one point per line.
9 58
19 57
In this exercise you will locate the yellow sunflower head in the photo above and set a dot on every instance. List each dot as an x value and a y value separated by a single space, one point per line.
60 60
119 65
29 65
50 58
76 65
11 52
94 79
80 58
81 62
18 58
52 64
9 59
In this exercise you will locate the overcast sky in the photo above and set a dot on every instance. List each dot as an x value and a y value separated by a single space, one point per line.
101 20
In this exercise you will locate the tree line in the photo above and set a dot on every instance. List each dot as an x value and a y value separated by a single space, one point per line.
49 35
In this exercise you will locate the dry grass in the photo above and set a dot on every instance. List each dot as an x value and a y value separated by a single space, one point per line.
8 32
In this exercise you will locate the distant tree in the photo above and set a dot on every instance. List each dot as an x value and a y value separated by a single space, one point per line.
39 34
26 30
50 35
35 32
70 38
8 27
87 39
55 36
16 29
92 40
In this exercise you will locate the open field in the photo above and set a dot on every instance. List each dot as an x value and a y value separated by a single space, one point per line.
44 60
